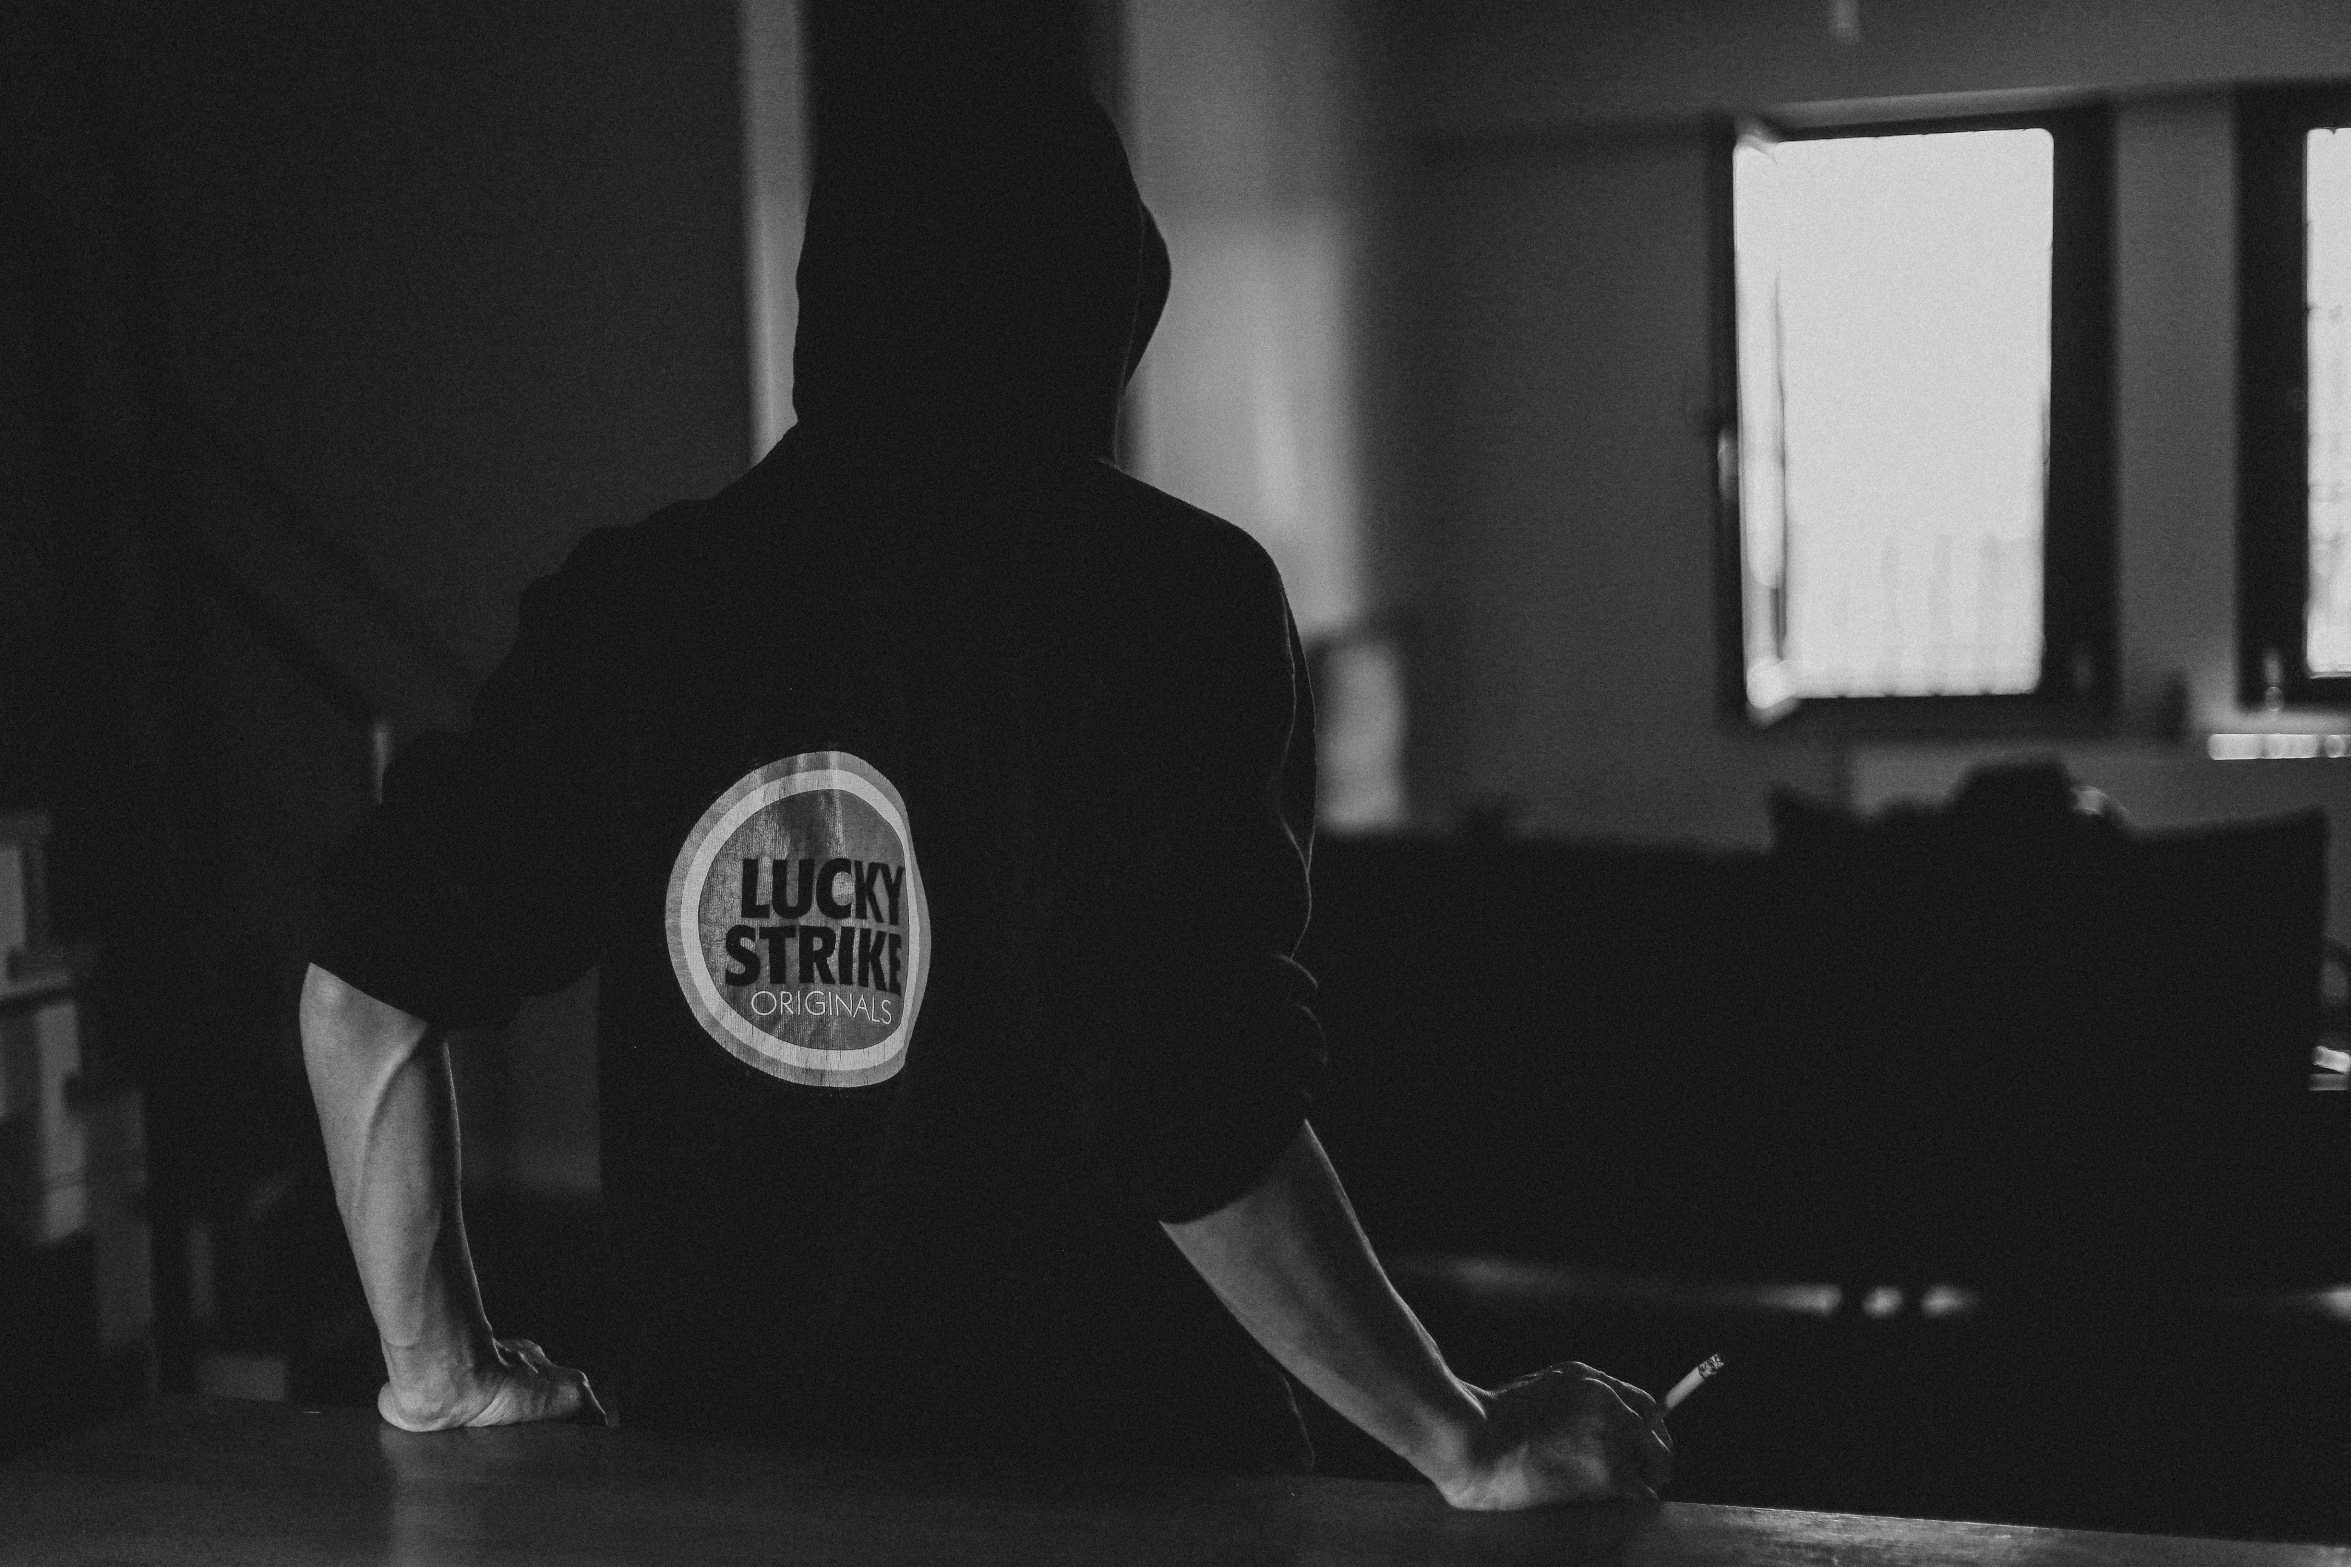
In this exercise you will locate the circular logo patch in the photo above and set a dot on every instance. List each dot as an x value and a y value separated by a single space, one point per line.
797 925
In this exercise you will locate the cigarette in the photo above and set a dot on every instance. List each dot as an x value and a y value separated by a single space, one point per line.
1689 1384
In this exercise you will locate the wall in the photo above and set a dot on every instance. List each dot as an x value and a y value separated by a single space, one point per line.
1567 532
468 280
31 642
1237 119
463 282
1246 126
776 170
2176 451
1556 217
1504 66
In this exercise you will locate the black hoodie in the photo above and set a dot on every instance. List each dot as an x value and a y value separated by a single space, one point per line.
935 803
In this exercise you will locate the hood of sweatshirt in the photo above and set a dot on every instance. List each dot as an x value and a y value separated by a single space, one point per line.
978 274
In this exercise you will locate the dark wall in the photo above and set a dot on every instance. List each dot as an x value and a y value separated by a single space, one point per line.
467 279
29 586
324 331
847 40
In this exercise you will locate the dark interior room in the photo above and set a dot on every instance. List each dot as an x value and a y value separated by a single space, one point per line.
1810 527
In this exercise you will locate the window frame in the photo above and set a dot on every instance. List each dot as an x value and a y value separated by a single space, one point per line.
2273 389
2080 676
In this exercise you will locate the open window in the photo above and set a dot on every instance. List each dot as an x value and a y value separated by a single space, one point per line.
2294 395
1915 463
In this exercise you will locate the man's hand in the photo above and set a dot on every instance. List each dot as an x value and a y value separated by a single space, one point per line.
1567 1433
1290 1262
522 1385
387 1110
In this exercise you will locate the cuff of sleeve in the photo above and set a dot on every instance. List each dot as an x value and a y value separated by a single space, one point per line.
413 989
381 934
1209 1136
1243 1155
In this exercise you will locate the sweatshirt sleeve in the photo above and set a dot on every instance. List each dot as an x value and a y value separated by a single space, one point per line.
1202 1073
472 885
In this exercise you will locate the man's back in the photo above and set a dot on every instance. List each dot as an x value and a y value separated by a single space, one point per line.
1063 717
936 805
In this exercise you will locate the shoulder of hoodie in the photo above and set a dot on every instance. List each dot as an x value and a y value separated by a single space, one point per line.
1153 545
613 586
634 560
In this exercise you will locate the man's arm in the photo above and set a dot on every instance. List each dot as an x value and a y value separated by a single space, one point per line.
388 1111
1291 1262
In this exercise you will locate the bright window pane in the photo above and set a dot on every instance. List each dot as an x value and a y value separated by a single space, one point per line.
1893 302
2326 207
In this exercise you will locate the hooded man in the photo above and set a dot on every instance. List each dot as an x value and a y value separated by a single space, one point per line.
934 804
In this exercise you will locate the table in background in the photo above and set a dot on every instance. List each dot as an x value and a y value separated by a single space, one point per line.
199 1482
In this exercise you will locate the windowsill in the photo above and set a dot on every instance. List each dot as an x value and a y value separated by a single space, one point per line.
2306 694
1944 718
